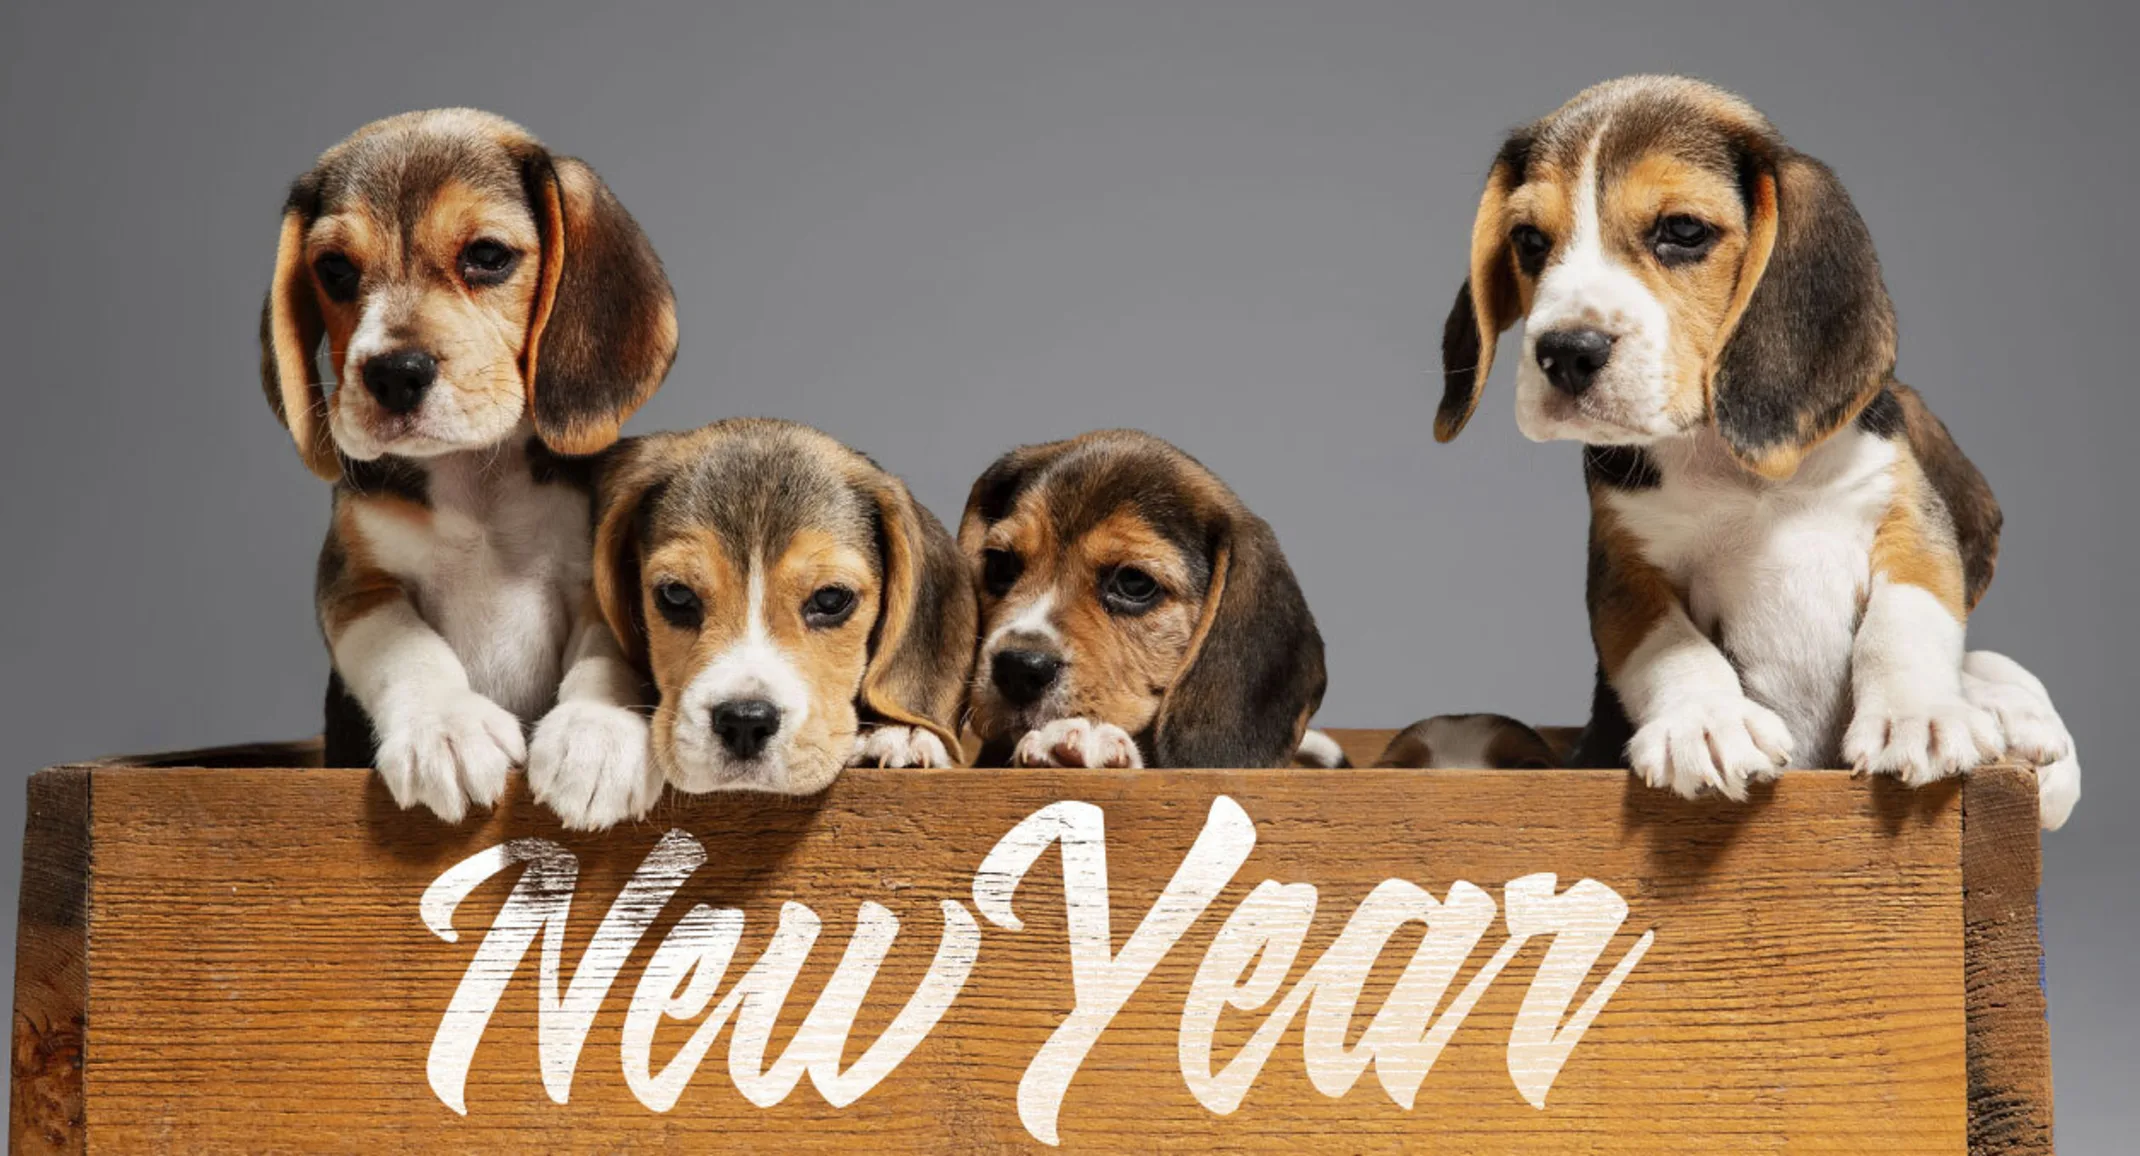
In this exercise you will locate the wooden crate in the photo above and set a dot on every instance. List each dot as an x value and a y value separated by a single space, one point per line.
222 952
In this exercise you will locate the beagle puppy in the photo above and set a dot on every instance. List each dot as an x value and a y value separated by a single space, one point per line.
457 317
1134 613
1785 543
1470 741
793 606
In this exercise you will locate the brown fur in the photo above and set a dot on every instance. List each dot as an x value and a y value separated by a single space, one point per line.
1914 543
1510 746
352 584
1628 595
1225 667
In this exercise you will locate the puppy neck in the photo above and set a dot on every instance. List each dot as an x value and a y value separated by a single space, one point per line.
1700 456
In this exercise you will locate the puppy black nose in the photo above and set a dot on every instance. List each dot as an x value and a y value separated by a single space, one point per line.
745 725
1572 358
399 379
1024 675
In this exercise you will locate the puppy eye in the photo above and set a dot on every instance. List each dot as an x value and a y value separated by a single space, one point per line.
1128 590
1680 239
829 606
487 262
1532 245
1000 570
679 604
338 276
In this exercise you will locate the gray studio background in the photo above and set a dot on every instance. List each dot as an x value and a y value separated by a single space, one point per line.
940 229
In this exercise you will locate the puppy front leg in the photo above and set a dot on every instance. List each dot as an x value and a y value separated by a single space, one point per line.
1910 717
589 762
441 744
1695 729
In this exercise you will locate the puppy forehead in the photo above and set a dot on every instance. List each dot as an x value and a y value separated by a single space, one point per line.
395 171
1104 475
1627 125
764 490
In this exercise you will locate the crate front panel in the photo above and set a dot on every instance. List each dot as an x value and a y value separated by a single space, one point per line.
263 974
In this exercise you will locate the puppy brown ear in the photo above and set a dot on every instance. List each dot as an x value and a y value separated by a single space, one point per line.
626 486
602 333
996 491
1811 333
290 332
1254 671
1487 302
921 652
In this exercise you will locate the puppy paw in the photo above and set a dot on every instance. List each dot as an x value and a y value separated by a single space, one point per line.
2058 787
1717 745
1076 742
2030 725
449 751
894 746
1923 741
589 764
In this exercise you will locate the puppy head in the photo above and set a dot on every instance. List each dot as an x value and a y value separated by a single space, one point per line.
1121 581
779 589
464 280
1674 263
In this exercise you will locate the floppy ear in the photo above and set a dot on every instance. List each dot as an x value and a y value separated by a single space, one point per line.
997 490
629 480
290 333
602 333
921 651
1810 331
1254 671
1486 303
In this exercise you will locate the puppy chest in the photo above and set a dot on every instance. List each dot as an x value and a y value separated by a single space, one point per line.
499 584
1777 581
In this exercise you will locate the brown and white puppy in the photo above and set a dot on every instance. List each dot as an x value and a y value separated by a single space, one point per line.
796 610
1785 543
1133 613
1470 741
489 313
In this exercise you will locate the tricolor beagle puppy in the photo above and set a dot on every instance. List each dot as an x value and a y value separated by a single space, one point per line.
489 314
794 607
1470 741
1134 613
1785 544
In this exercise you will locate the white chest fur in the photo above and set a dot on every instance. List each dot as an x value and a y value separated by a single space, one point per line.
496 572
1774 572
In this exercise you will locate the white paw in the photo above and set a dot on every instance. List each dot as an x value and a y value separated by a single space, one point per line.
2030 725
1716 744
1920 742
1076 742
893 746
2058 787
589 764
449 751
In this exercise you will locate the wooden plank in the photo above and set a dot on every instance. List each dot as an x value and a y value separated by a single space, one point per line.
51 967
265 980
2009 1028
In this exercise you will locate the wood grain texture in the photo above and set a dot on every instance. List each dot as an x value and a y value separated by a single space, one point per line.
263 981
2009 1028
51 967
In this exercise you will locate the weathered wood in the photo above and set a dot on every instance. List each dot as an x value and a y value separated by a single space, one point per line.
52 967
264 979
2009 1026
